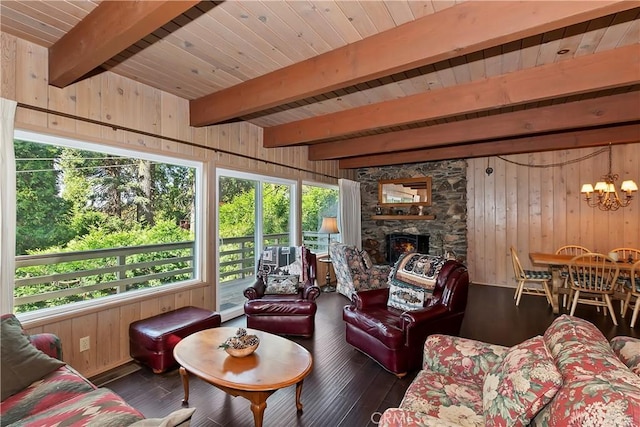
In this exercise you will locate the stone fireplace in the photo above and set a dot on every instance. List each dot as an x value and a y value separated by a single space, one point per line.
447 232
400 243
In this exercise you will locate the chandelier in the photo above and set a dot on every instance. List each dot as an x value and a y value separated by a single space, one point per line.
607 198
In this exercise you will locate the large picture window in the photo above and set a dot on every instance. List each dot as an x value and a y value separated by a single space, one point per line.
97 222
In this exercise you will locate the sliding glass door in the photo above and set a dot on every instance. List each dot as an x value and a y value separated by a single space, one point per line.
254 211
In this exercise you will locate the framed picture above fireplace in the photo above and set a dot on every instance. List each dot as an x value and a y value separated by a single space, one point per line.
405 192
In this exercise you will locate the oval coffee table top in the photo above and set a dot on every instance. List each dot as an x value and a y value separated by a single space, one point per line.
276 363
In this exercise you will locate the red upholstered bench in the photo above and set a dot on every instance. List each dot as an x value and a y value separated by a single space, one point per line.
151 341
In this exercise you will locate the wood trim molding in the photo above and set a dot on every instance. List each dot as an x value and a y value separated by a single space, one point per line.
574 115
109 29
580 75
398 49
623 134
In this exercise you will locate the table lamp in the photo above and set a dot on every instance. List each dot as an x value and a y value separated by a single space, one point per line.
329 226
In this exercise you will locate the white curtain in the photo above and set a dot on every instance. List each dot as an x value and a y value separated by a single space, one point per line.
7 205
350 221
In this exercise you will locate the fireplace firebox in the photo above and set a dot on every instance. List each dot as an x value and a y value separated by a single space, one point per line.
398 244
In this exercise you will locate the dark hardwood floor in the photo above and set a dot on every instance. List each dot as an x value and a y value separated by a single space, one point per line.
345 388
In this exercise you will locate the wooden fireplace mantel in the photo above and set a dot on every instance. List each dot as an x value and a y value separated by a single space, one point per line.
402 217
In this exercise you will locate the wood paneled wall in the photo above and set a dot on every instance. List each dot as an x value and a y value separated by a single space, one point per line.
541 209
115 100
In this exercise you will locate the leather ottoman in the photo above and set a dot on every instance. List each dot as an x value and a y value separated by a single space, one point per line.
151 341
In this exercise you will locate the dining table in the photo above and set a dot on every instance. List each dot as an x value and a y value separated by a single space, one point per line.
555 263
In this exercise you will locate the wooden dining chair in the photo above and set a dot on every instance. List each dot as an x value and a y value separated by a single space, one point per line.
569 250
572 250
593 279
629 255
541 278
634 293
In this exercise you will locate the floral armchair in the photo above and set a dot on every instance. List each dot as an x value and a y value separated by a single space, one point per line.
355 271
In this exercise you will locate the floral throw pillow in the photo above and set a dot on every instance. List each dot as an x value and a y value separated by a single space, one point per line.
628 350
516 389
281 284
405 297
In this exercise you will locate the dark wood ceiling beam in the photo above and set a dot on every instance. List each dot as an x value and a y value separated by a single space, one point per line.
575 115
623 134
399 49
608 69
109 29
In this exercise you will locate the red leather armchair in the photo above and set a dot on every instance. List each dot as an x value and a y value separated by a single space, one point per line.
395 338
284 313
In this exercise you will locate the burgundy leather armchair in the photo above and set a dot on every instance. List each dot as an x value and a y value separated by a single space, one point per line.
284 313
395 338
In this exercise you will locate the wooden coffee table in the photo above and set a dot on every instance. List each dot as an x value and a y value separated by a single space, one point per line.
277 363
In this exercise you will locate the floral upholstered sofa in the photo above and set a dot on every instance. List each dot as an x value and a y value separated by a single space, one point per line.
355 271
38 389
570 376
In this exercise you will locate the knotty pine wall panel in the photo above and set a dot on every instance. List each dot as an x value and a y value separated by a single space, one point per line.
115 100
541 209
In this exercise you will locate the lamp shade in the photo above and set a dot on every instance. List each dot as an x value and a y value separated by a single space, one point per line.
329 225
601 186
629 186
587 188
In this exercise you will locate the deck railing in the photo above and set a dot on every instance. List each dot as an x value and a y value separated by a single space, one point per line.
92 274
100 272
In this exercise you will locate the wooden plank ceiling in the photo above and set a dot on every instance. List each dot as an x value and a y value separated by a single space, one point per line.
369 83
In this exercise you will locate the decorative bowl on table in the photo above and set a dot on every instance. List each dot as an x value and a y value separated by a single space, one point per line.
241 345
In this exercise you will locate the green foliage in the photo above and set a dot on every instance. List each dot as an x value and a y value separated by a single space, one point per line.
237 217
276 208
38 205
162 232
317 202
173 192
230 188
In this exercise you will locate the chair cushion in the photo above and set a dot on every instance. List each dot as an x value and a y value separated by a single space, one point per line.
279 307
405 297
62 384
385 325
100 407
522 384
284 284
537 274
450 399
22 363
461 357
